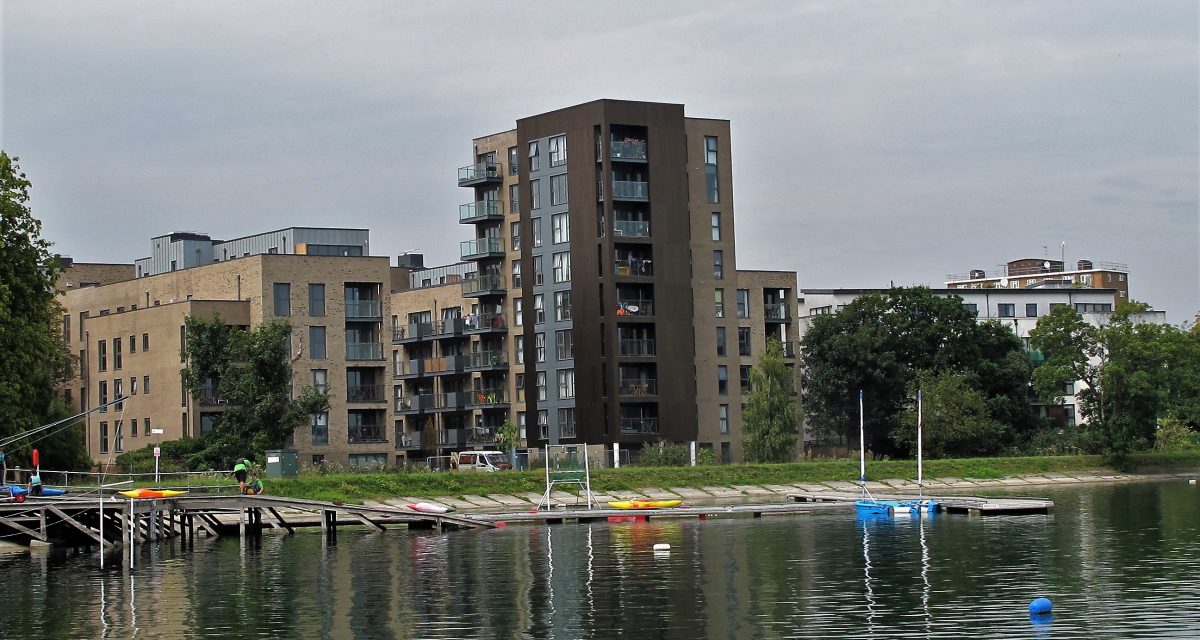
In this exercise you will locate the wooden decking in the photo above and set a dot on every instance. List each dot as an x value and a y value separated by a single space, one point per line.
969 505
560 516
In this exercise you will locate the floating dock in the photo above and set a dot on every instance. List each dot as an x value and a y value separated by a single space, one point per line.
583 516
969 505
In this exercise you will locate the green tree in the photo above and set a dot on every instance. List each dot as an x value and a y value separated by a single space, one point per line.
955 415
771 421
249 369
508 436
34 359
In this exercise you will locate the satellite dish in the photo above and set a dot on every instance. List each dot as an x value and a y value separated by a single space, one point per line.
631 308
1004 282
1046 264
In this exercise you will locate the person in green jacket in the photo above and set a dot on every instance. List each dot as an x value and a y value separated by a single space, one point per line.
240 471
254 487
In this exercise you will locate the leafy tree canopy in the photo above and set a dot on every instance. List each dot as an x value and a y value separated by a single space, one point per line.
771 422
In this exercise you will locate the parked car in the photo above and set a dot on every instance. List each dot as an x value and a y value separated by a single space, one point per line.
486 461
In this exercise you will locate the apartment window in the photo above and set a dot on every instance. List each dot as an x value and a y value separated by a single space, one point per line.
558 150
103 437
316 343
183 424
743 303
560 228
539 275
722 380
517 320
566 383
971 308
564 342
1007 310
146 424
541 385
283 298
117 394
723 416
744 377
1069 414
145 385
1031 310
562 267
512 161
103 389
710 169
536 223
116 354
558 189
539 309
535 162
539 346
83 315
133 386
1068 389
514 229
516 274
520 349
118 438
132 344
320 380
320 428
183 394
145 342
566 423
562 305
719 297
743 341
521 424
102 355
718 264
543 419
316 299
716 226
535 195
1093 307
720 341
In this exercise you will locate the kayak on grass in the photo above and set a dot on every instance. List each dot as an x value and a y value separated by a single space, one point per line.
151 493
644 504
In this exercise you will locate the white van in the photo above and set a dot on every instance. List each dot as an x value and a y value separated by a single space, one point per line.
486 461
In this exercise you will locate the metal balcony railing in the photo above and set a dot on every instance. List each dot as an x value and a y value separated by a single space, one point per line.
364 433
775 311
638 387
450 437
364 351
631 229
630 190
481 435
406 440
639 426
485 322
483 397
412 331
639 267
643 347
365 393
486 360
364 309
479 211
635 307
414 404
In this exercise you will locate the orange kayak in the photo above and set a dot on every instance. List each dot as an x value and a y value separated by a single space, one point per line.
152 493
644 504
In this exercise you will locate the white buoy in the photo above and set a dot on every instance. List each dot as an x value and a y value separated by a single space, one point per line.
1192 481
662 546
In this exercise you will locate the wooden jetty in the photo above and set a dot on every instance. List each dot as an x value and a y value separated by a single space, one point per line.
583 516
79 521
969 505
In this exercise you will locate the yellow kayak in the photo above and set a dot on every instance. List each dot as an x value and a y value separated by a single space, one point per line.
152 493
644 504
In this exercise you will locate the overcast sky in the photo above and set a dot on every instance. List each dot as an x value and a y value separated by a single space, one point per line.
873 142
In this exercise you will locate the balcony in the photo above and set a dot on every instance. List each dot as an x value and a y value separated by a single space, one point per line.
364 351
406 369
369 309
789 349
636 307
631 229
481 435
486 361
450 401
451 328
487 399
365 393
450 438
407 441
486 323
638 387
482 173
630 190
414 332
210 399
776 312
640 348
486 285
639 426
481 248
628 150
414 404
444 365
481 211
365 434
634 268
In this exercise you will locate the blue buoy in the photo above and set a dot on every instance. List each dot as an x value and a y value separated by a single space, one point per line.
1040 606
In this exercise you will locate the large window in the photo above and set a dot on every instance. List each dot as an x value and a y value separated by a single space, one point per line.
518 320
558 189
743 303
316 299
516 274
558 150
539 345
562 305
512 161
535 194
1007 310
720 341
1031 310
564 344
283 298
743 341
710 169
719 298
520 348
118 439
102 355
320 380
722 380
718 264
539 309
566 423
723 415
116 354
566 383
514 229
320 428
716 226
541 385
560 227
535 160
537 231
103 437
744 377
316 343
562 267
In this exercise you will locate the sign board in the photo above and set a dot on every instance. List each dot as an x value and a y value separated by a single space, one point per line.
272 459
157 452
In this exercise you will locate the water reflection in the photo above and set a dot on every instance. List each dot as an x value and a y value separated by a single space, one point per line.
1107 554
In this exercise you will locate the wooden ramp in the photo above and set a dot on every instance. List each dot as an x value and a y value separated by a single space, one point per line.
970 505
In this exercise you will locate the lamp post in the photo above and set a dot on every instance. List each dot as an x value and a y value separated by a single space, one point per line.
157 435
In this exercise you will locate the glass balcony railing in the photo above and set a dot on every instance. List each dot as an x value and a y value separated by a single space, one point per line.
639 426
635 307
631 229
777 312
482 285
365 393
407 440
630 190
479 173
629 150
365 433
639 267
481 435
364 351
486 360
479 211
639 347
364 309
484 397
486 321
481 248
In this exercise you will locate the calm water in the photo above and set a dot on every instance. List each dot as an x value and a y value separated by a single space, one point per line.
1119 561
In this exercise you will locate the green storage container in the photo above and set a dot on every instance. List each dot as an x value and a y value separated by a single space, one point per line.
283 463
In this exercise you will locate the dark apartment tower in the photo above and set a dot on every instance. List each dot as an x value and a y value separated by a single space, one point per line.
608 323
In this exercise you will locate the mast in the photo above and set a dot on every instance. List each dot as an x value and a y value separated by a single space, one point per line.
862 444
920 459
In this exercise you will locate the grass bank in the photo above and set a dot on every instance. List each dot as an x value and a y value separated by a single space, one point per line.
356 487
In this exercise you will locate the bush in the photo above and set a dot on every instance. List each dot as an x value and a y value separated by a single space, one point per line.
1173 435
1064 441
177 456
671 454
